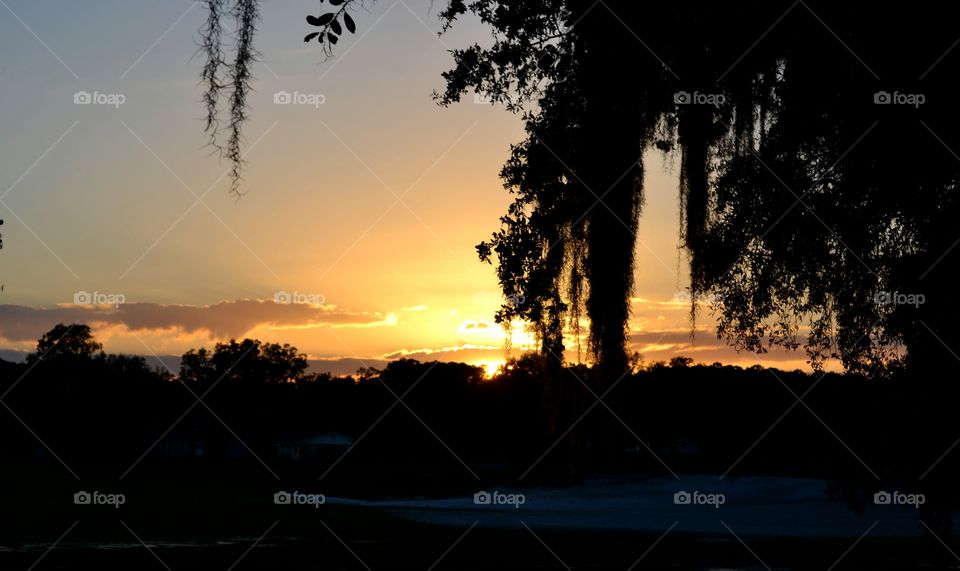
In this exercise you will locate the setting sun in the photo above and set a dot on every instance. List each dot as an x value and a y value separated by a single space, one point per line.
490 368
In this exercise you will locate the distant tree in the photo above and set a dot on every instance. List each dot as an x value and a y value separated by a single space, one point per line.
368 373
132 369
320 379
283 363
248 362
66 342
196 366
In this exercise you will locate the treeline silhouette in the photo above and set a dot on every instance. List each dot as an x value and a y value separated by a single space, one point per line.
422 428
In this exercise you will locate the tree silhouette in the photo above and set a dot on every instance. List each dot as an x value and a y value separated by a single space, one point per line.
249 362
798 210
66 343
817 189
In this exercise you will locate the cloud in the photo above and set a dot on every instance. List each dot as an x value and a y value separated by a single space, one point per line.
388 320
465 352
226 319
157 329
343 365
471 325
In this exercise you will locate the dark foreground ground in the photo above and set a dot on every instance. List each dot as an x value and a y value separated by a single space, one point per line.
179 524
217 511
328 538
338 540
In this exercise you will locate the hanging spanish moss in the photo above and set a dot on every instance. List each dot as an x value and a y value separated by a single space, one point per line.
236 78
233 80
246 15
214 66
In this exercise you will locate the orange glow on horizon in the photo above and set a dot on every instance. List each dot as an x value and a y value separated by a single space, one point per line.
490 367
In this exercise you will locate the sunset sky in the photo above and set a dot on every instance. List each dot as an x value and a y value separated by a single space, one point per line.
368 206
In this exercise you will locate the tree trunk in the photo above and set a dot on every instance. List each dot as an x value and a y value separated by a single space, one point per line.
610 172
